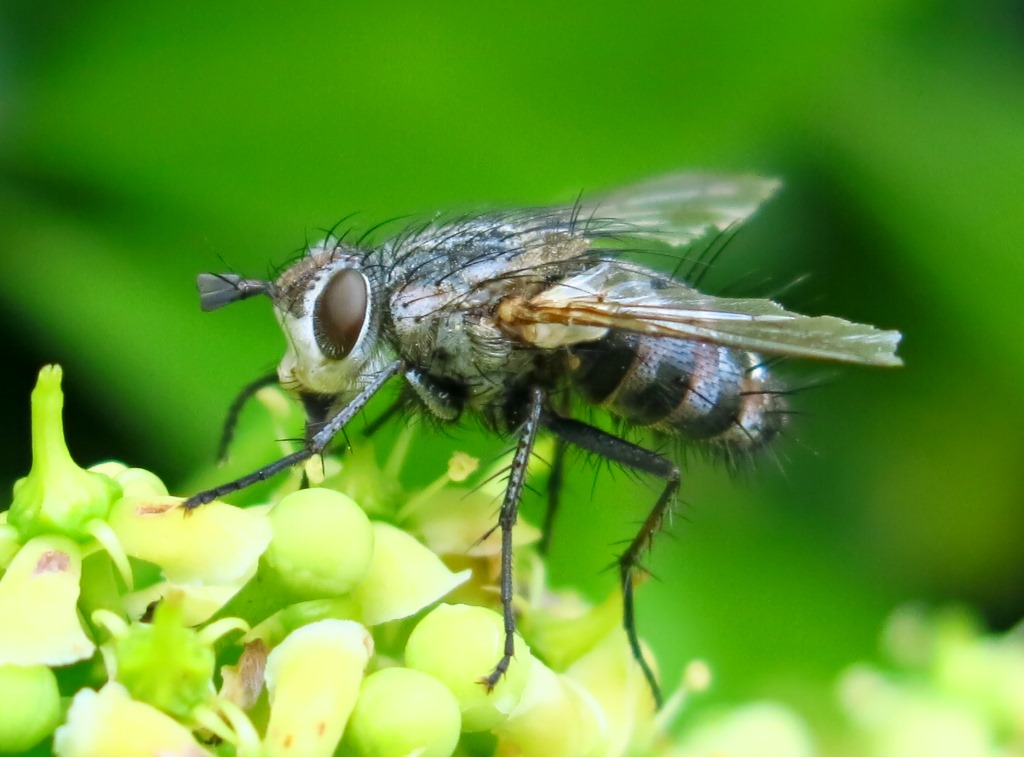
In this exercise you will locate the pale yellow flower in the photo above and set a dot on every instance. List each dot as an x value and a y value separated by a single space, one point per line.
40 590
109 723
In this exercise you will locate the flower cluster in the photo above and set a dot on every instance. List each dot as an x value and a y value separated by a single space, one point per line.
355 618
305 626
949 690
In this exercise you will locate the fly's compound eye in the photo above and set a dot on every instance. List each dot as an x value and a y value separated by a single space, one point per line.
340 313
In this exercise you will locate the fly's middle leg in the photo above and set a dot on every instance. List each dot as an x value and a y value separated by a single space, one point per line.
506 520
556 479
633 456
555 482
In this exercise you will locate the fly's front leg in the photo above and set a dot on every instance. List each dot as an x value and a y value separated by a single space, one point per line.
506 520
314 445
235 411
633 456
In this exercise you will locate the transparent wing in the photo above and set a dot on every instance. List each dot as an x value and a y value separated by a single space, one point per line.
616 296
677 208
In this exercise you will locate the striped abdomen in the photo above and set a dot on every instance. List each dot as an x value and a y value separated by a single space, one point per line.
697 390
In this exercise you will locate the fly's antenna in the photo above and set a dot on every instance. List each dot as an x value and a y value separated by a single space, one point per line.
219 289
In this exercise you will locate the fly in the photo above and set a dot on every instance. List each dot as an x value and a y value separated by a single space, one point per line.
521 317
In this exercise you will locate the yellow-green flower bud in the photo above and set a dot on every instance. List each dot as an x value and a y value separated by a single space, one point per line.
460 645
139 482
134 482
109 468
57 496
404 577
611 676
214 544
322 543
985 671
313 680
165 664
273 630
108 722
361 479
401 712
563 627
38 597
763 729
555 716
29 706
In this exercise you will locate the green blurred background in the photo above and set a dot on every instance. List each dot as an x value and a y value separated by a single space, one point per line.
141 143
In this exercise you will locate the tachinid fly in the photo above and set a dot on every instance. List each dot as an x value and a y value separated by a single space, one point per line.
523 317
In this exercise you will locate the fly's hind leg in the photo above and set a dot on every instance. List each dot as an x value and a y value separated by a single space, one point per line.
632 456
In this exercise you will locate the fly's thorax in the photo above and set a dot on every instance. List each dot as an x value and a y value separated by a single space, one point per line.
326 305
445 326
460 346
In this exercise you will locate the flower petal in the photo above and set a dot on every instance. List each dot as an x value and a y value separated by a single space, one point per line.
555 716
40 589
610 674
110 723
313 679
213 544
404 577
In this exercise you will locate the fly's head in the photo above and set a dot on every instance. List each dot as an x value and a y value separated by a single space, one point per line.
324 303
